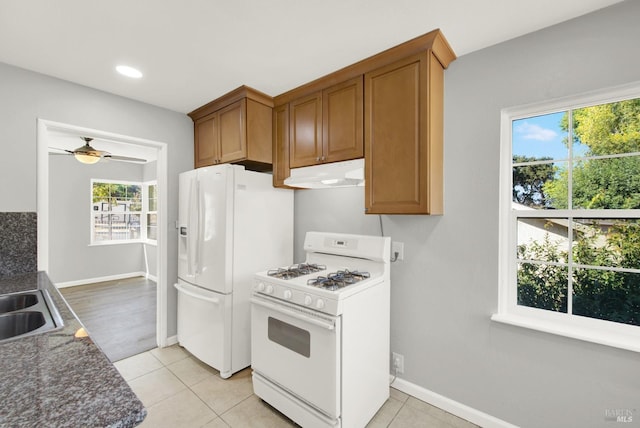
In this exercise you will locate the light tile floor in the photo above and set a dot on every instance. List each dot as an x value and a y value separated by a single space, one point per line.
180 391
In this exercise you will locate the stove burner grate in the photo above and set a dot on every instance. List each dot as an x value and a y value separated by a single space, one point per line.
295 271
337 280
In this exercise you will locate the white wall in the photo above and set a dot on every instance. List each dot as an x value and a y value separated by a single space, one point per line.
27 96
446 289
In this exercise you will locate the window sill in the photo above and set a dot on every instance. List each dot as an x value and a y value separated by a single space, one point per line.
629 342
102 244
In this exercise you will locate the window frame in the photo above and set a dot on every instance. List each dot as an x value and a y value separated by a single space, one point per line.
142 214
603 332
146 211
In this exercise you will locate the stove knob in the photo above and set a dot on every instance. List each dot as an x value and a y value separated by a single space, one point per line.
287 294
320 304
308 300
260 286
269 289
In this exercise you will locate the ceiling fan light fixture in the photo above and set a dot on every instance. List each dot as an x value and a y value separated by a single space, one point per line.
86 159
125 70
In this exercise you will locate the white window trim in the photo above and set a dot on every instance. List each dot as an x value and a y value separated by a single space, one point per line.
145 210
582 328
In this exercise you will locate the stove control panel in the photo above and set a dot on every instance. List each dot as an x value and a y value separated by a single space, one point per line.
299 297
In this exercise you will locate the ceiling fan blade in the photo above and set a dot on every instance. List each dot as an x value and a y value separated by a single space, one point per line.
124 158
66 152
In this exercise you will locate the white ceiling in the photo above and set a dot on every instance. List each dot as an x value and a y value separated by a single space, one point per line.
192 51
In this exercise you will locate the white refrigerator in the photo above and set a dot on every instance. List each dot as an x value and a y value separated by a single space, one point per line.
232 223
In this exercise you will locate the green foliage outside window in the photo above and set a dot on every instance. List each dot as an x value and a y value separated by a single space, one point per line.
601 294
114 194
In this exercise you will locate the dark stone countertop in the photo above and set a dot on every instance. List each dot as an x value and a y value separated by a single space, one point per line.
55 379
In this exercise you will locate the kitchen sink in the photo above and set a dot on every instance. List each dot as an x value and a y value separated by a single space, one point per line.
28 313
19 323
15 302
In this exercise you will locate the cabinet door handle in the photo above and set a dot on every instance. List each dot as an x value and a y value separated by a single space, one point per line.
318 159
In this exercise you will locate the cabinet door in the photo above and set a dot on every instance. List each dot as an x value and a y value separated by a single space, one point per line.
280 145
342 116
206 140
305 131
400 162
259 122
233 144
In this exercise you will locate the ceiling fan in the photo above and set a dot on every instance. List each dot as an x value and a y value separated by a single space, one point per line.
88 155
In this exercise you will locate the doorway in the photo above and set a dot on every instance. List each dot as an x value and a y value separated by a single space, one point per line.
47 132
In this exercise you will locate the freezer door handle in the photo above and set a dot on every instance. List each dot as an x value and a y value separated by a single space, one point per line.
193 228
182 289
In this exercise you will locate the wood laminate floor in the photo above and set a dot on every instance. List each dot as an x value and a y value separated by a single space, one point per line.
119 315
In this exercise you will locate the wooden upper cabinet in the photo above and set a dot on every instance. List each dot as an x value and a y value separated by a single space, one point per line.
342 121
235 128
206 140
232 141
387 108
403 137
305 131
326 126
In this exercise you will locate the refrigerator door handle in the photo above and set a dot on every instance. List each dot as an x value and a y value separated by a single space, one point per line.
191 229
200 236
182 289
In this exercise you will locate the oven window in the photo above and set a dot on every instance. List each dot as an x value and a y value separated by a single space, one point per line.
290 336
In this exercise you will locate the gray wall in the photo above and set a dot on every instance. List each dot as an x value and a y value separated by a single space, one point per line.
445 291
26 96
69 199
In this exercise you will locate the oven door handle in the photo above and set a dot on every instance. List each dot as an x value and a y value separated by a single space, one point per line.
293 313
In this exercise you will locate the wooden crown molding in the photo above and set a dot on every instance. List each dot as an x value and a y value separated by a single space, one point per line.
433 41
230 98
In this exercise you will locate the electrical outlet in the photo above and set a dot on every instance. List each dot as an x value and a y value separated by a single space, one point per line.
398 363
397 248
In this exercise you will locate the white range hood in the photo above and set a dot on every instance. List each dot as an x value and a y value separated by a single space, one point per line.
336 174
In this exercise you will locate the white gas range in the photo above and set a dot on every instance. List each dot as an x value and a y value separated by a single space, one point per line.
320 331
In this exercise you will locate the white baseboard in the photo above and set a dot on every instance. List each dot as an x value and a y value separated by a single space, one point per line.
461 410
99 279
151 277
172 340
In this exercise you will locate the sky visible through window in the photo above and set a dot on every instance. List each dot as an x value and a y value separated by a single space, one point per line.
542 136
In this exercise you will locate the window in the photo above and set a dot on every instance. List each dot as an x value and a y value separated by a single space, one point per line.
151 208
123 211
117 207
570 218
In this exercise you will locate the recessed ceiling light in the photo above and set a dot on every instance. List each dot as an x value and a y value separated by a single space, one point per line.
125 70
